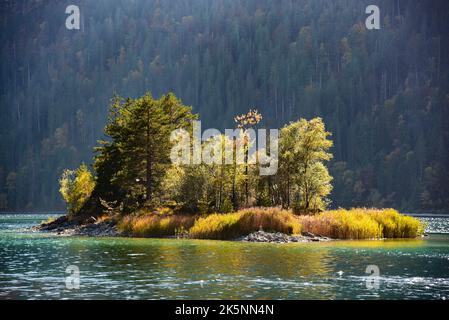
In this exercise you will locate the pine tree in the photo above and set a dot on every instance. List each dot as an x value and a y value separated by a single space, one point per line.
134 161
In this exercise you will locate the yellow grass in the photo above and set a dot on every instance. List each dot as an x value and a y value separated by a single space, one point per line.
362 223
155 225
49 220
396 225
357 223
243 222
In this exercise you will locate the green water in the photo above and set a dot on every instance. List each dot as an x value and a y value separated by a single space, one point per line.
33 266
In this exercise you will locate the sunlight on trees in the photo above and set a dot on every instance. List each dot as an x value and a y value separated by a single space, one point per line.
76 187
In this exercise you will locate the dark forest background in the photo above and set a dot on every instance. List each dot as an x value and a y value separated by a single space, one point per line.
384 94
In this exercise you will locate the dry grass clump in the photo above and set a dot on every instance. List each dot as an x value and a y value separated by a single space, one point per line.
362 223
338 224
155 225
396 225
243 222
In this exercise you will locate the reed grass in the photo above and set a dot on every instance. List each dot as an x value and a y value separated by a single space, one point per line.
243 222
155 225
361 223
396 225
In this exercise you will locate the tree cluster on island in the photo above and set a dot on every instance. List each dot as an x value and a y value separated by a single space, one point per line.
132 166
139 190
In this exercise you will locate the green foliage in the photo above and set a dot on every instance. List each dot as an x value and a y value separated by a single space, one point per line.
76 187
223 188
189 186
131 165
227 206
205 187
303 147
263 197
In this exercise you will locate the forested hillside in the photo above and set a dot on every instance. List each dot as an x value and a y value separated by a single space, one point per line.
384 94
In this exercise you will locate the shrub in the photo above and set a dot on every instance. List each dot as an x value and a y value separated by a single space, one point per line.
243 222
76 187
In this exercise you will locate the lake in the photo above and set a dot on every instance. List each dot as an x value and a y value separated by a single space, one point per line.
33 266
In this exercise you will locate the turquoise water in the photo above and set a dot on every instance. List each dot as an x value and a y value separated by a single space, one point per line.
33 266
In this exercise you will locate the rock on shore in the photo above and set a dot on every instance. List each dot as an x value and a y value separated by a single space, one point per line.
278 237
64 227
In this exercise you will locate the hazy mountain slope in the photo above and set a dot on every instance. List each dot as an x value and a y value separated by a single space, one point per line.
383 93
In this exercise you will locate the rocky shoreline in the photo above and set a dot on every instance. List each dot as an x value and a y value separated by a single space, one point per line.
62 226
278 237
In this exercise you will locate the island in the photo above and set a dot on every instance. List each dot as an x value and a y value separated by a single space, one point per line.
150 179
